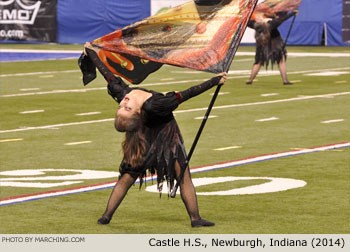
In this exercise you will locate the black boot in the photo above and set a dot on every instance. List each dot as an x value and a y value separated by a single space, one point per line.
202 223
103 220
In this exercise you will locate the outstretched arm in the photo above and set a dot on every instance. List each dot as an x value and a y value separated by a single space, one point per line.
117 88
277 22
198 89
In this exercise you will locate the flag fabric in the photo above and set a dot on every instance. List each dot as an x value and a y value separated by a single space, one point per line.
201 35
273 8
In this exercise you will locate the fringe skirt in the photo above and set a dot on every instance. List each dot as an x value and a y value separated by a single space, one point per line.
165 147
272 52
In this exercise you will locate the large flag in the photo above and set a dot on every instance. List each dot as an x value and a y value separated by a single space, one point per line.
201 34
271 8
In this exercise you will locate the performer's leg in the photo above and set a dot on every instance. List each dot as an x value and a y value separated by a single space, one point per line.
189 198
117 195
282 66
255 70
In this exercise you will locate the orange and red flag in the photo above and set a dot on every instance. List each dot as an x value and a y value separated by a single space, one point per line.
201 35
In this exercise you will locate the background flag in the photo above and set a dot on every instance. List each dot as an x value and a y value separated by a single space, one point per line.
202 35
271 8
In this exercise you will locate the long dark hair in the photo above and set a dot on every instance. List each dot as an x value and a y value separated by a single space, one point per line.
134 145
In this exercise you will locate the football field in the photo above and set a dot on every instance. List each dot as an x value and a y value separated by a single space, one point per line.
272 159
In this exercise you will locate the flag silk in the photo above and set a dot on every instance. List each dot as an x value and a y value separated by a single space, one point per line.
201 35
272 8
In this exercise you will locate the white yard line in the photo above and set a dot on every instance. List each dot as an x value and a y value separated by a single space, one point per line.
88 113
29 89
295 54
300 54
82 90
202 117
267 102
78 143
228 148
267 119
32 111
38 73
11 140
182 111
38 51
54 126
271 94
333 121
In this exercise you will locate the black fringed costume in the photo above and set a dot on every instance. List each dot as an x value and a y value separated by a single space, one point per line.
165 142
274 49
165 145
163 136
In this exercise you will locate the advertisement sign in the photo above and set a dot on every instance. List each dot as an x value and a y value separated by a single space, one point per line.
28 20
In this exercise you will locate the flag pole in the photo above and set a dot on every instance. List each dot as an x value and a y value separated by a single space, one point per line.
195 141
290 29
237 38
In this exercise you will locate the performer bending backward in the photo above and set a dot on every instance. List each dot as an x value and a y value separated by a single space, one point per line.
269 46
153 140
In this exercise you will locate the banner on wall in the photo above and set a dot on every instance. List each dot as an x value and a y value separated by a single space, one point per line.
28 20
201 35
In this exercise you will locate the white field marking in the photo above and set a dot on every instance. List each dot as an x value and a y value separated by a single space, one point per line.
202 117
150 84
267 119
181 111
20 177
29 89
46 76
220 93
298 54
167 79
54 126
265 102
273 185
32 111
295 54
77 143
330 73
223 165
11 140
271 94
230 72
333 121
88 113
39 184
342 81
228 148
39 73
39 51
306 149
